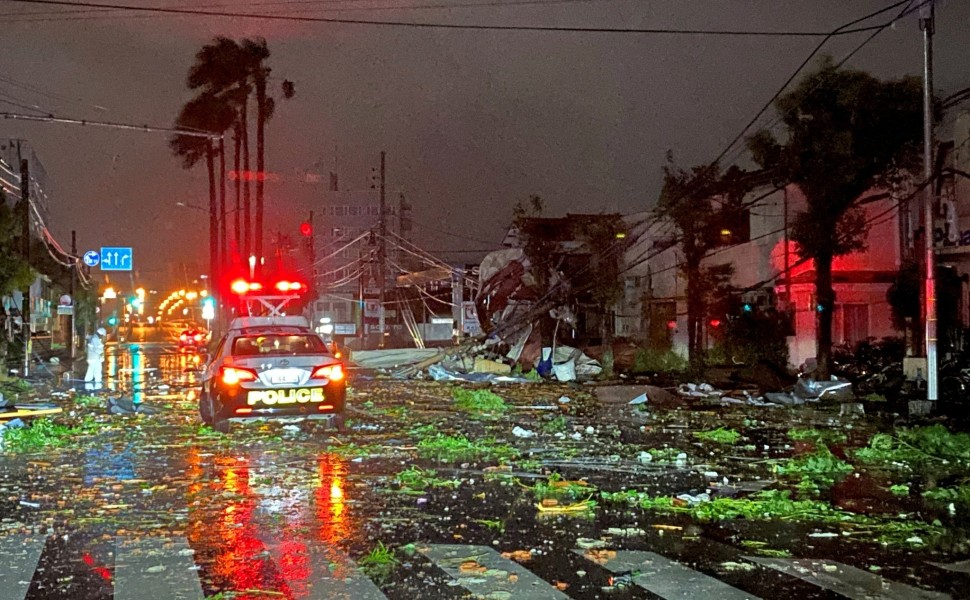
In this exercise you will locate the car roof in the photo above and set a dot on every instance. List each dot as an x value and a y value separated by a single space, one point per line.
270 329
243 323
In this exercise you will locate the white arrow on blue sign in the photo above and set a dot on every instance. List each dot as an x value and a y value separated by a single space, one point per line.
115 258
91 258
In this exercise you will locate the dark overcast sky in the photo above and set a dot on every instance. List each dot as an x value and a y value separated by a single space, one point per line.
472 121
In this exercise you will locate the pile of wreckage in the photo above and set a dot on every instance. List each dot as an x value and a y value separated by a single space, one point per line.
476 364
510 306
805 390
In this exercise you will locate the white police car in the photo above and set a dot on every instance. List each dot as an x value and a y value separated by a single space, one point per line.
268 367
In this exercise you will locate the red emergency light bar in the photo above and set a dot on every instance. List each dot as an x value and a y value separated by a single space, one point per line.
243 287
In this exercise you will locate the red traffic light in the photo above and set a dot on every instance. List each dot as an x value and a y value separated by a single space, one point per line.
306 229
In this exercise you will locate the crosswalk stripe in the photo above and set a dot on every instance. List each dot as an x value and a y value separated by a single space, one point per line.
664 577
18 561
486 574
319 573
847 580
155 568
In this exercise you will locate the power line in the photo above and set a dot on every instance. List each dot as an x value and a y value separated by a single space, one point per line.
30 88
811 55
112 125
59 15
476 27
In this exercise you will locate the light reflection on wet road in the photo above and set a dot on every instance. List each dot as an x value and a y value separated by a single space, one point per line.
145 358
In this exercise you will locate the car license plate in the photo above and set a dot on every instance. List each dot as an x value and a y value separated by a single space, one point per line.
284 378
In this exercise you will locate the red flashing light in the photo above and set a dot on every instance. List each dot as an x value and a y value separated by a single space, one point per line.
331 372
306 229
239 286
289 286
235 375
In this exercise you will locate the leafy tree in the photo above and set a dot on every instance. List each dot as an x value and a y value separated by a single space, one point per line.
698 202
15 273
904 299
846 132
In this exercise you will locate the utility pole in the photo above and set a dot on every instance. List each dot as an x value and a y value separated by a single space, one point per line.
382 257
25 214
74 268
312 251
927 25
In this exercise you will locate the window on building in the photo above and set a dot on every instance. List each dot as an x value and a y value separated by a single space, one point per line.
854 322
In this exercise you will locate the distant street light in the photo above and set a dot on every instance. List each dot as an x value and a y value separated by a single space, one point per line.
193 206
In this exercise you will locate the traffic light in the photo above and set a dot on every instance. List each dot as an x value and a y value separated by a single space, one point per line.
208 308
747 307
112 320
306 229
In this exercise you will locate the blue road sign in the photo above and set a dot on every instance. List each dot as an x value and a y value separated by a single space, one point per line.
91 258
115 258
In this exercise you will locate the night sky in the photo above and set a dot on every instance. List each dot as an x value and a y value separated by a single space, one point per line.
472 121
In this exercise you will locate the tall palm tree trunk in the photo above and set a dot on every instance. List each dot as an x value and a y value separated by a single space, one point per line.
246 174
223 255
213 216
237 214
260 82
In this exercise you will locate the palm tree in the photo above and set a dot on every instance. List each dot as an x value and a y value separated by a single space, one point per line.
230 71
205 113
222 69
256 54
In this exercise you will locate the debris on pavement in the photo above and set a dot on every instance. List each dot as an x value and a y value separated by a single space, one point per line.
522 433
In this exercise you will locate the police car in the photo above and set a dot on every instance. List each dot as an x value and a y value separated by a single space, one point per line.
269 367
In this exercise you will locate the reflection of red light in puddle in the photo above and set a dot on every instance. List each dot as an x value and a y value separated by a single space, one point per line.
103 572
334 526
235 541
294 565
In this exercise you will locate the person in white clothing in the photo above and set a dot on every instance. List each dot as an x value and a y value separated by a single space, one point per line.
92 379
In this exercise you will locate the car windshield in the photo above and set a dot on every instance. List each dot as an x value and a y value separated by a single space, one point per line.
268 344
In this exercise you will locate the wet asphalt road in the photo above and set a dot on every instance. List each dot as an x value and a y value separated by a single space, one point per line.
156 507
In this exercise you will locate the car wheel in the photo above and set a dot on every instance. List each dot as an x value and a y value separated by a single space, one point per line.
339 422
207 409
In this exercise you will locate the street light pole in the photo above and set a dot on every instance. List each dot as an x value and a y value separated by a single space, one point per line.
929 294
382 257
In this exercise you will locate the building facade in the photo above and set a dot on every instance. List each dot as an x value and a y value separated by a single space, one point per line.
769 275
